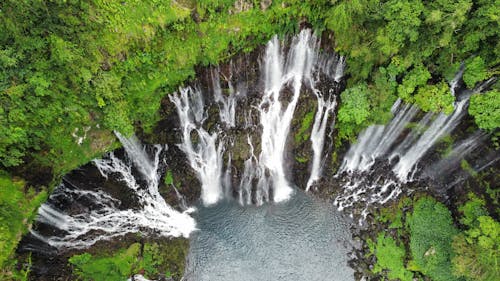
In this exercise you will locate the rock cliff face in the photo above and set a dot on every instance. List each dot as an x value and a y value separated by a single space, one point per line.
236 89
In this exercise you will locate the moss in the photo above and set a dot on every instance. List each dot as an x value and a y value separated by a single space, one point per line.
18 205
468 168
169 178
390 258
170 257
66 154
117 267
393 214
153 260
301 160
304 133
446 145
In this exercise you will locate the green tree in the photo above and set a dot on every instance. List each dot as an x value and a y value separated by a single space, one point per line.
476 70
354 110
485 108
414 78
431 231
477 250
435 98
390 257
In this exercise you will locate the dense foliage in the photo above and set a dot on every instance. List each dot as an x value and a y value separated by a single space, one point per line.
486 110
437 249
391 257
16 213
431 231
73 68
416 45
151 260
477 248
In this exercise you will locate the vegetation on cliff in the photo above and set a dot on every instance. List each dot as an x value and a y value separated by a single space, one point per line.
73 71
410 49
17 206
152 260
71 68
426 242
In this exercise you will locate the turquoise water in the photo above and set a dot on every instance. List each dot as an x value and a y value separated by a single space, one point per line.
301 239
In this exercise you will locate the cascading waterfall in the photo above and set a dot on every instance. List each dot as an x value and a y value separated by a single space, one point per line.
205 157
105 219
274 120
332 66
235 136
250 172
366 183
444 167
227 105
325 107
377 140
441 125
285 76
263 114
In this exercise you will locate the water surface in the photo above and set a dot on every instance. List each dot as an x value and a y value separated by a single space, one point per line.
300 239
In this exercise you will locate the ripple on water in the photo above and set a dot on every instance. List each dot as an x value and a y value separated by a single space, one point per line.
301 239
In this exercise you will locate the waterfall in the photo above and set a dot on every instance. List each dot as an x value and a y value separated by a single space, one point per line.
227 105
339 69
362 180
398 150
205 156
332 66
376 140
136 151
274 117
284 75
250 171
325 107
442 125
451 161
287 74
105 219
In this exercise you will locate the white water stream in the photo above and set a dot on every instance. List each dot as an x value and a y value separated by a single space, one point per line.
285 75
363 172
105 219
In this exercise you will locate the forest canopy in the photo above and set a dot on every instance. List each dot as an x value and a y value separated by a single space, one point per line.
71 68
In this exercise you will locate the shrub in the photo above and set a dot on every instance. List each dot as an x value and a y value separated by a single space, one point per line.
435 98
485 108
110 268
152 259
390 257
477 249
431 233
476 70
17 210
354 110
